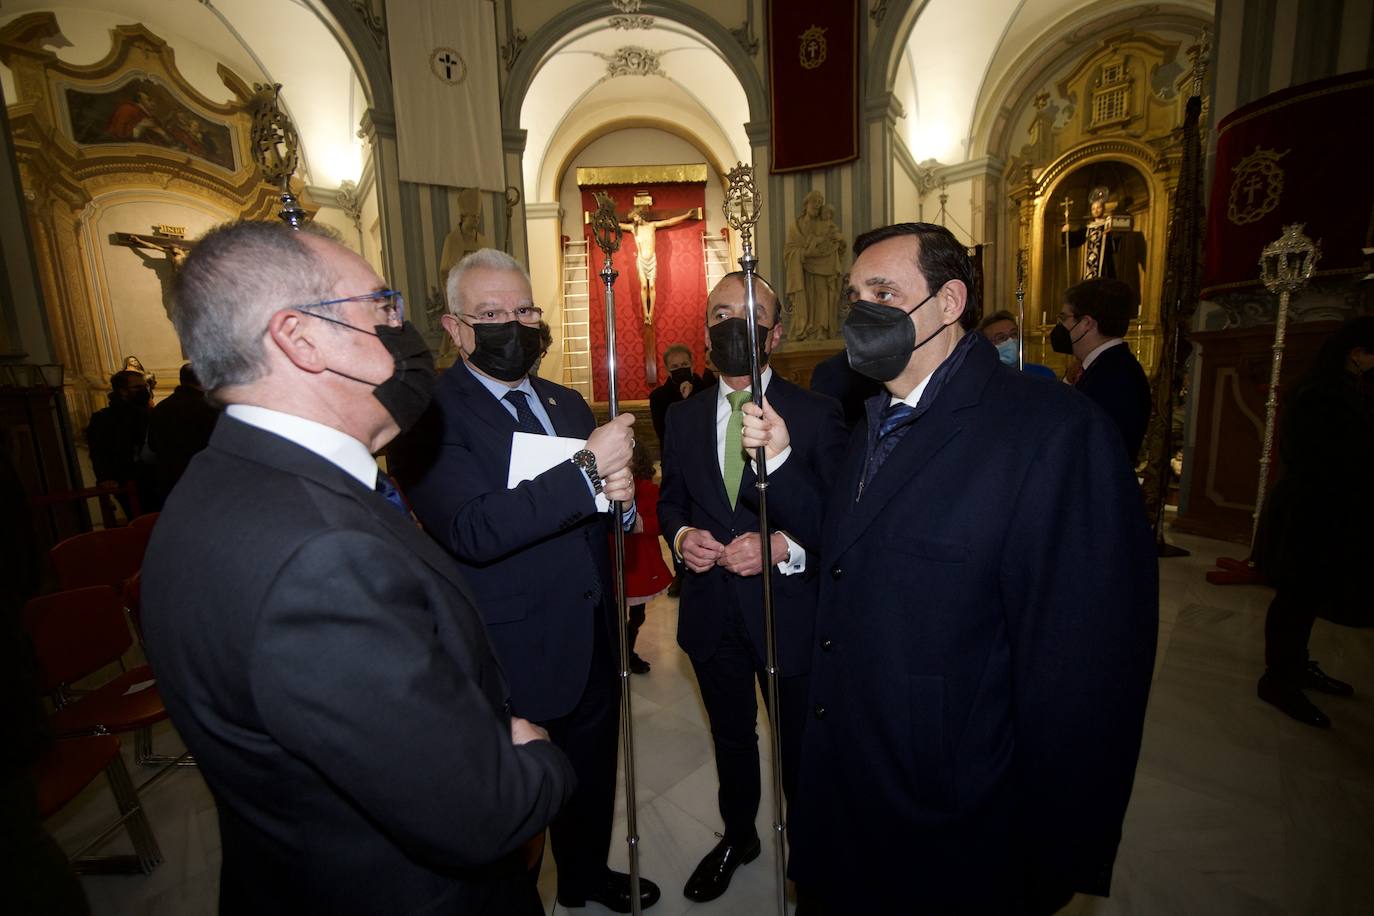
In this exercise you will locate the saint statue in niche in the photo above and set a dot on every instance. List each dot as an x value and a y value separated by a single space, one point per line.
813 256
465 237
1108 245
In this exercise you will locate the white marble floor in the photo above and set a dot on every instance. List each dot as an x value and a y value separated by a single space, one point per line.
1236 809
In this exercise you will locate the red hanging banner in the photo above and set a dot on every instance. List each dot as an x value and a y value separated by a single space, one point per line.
813 82
1274 166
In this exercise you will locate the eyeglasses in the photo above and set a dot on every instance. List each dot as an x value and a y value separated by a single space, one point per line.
394 307
525 314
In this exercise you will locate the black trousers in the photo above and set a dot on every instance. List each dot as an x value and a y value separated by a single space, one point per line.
590 735
1287 628
727 681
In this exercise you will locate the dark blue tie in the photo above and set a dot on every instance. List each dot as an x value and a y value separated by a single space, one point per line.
896 415
892 428
525 420
386 489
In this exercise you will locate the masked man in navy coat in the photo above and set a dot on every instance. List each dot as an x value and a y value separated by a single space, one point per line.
986 627
709 508
306 636
536 554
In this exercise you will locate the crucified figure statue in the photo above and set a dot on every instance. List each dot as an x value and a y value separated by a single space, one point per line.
645 259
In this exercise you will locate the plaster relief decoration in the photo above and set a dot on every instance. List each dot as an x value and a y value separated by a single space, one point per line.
141 110
629 17
632 60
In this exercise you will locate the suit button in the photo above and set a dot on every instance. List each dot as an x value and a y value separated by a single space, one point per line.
836 572
587 595
820 712
826 645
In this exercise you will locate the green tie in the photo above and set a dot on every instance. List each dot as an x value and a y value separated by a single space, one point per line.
734 450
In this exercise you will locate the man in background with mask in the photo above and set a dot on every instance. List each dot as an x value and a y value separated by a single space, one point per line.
709 507
1091 327
536 554
680 385
1002 331
118 439
305 633
986 626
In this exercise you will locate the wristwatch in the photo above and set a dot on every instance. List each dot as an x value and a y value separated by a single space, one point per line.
585 460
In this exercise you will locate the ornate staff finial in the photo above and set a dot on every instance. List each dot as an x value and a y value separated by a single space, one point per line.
743 206
1287 263
606 225
276 148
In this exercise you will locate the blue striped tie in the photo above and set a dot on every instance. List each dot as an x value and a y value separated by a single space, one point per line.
896 415
525 420
386 489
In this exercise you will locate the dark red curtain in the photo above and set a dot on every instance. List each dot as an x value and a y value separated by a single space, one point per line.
680 310
813 69
1276 164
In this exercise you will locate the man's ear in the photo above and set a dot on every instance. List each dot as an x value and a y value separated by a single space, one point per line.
451 325
774 337
953 299
293 338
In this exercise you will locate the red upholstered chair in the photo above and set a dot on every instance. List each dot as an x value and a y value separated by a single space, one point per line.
106 557
66 770
75 634
143 524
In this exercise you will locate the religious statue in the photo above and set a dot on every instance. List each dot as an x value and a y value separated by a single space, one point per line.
171 249
1109 246
813 256
465 238
646 260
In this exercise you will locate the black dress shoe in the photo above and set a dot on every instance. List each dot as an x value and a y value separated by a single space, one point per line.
1291 701
1314 678
712 876
614 894
638 665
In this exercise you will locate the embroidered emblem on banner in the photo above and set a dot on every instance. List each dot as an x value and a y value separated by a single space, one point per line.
1256 186
812 50
447 66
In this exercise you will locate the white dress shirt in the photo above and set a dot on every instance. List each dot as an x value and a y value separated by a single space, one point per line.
914 398
796 556
338 448
1099 350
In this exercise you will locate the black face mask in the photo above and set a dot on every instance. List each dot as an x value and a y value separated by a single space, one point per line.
507 350
678 376
730 346
880 338
1061 341
406 393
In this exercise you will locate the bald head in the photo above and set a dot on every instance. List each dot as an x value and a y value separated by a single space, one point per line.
730 289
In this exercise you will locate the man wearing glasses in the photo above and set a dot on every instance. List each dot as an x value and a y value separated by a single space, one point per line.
305 634
536 554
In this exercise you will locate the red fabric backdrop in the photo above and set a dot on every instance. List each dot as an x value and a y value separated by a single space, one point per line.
811 75
1254 194
680 311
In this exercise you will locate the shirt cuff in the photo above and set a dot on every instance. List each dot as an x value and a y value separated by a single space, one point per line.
677 540
796 555
773 463
628 519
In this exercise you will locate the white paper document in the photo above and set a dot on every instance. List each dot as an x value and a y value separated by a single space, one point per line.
532 455
139 687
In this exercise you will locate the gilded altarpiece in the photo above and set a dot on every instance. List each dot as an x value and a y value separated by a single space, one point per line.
1112 121
122 145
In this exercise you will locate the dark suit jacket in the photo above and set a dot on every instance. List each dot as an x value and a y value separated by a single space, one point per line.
984 645
693 494
833 376
178 427
535 555
1116 381
665 396
306 636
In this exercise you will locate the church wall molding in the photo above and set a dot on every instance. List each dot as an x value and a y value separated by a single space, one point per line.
540 209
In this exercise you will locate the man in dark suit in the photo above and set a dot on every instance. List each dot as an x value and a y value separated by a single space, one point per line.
322 658
1091 327
536 554
986 626
179 427
709 507
834 377
118 439
681 384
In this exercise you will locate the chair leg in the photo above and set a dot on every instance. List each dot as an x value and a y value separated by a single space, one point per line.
147 855
144 756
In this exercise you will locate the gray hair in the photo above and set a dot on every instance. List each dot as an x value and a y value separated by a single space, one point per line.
676 348
481 259
237 275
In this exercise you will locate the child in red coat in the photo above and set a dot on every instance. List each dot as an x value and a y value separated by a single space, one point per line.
646 575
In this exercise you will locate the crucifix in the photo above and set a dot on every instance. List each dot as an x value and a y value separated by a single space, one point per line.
645 223
166 241
1068 258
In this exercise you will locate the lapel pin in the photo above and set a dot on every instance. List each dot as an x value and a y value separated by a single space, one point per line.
552 402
